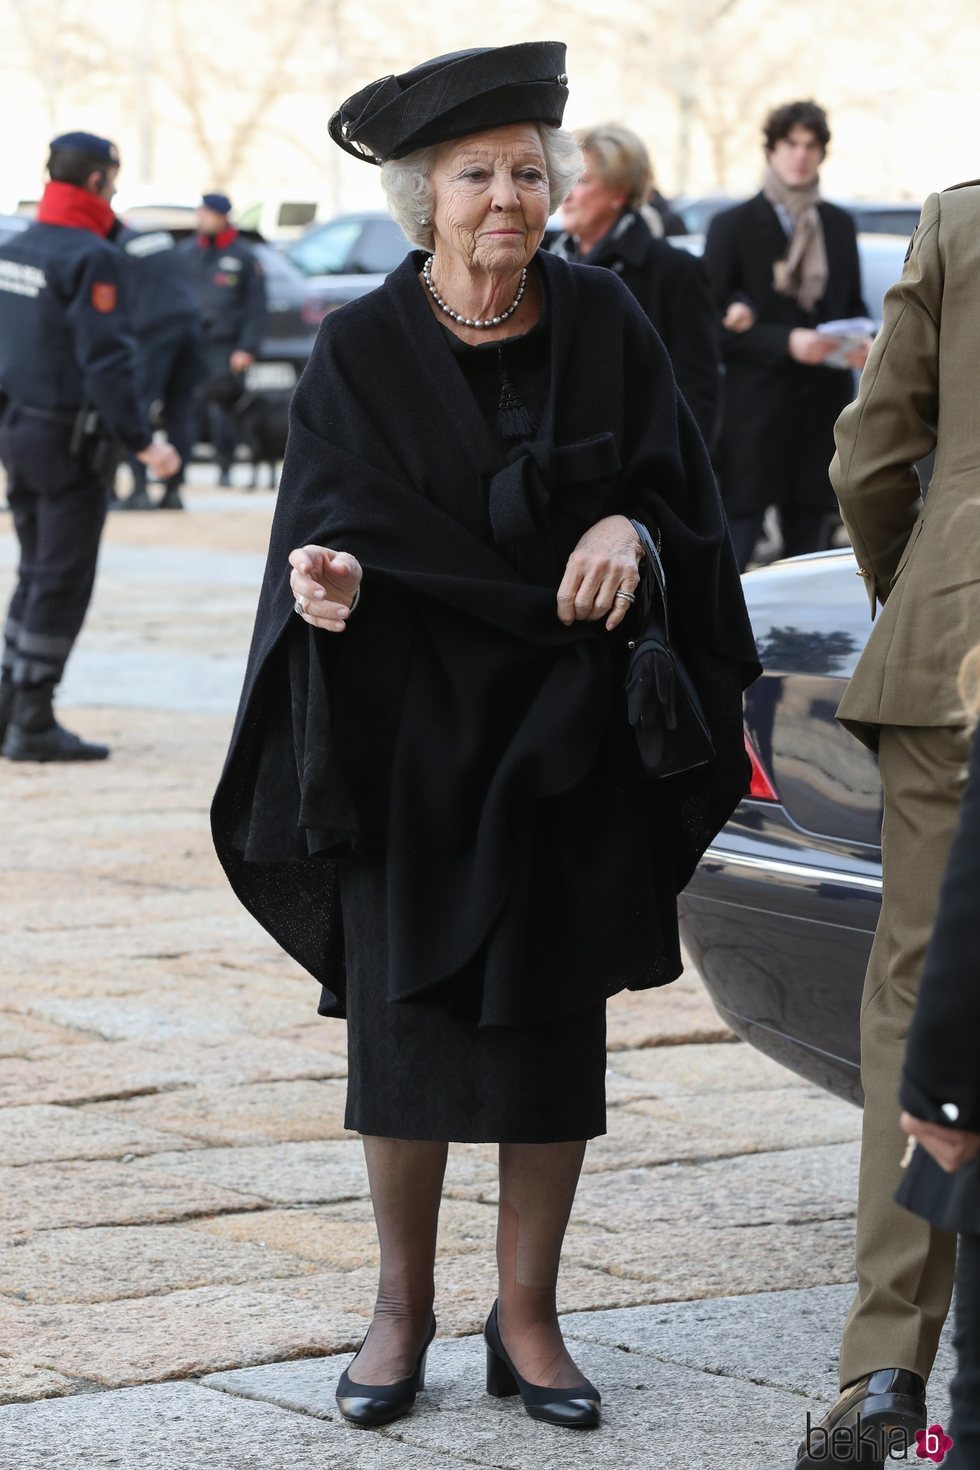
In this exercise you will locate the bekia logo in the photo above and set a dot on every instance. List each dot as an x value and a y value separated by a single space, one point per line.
859 1442
933 1444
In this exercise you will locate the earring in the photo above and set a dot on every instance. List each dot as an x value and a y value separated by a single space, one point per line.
423 219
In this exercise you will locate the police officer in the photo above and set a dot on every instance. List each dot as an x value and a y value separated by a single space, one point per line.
165 321
230 285
68 377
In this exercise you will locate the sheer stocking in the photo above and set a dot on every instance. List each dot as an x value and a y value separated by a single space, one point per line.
537 1188
406 1190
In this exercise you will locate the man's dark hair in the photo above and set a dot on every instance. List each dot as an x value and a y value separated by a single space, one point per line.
71 166
782 120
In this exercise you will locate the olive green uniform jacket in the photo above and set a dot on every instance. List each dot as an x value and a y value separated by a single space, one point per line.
920 391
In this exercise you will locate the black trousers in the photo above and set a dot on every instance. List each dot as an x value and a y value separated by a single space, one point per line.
804 528
58 509
171 365
965 1390
222 427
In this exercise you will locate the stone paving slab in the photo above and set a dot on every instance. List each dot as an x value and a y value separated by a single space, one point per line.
783 1339
181 1426
21 1380
104 1070
675 1014
117 1343
41 1133
656 1416
263 1112
49 1196
309 1173
21 1035
671 1071
105 1263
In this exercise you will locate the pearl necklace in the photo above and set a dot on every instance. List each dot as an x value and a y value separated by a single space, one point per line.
465 321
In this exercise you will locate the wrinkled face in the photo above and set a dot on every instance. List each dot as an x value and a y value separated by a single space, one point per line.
593 206
796 158
210 222
491 198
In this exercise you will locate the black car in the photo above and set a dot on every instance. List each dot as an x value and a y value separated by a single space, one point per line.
780 915
349 255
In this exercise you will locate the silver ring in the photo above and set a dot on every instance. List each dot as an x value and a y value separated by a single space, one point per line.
298 606
628 596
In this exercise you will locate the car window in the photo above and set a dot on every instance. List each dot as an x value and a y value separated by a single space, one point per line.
324 252
293 213
886 221
380 249
251 219
276 267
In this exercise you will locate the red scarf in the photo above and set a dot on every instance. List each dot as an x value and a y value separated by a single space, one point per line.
66 204
220 241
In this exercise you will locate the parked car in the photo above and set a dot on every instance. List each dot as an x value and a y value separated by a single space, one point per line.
350 255
12 224
277 218
780 915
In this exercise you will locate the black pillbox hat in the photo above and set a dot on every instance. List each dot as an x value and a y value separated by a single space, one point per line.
452 96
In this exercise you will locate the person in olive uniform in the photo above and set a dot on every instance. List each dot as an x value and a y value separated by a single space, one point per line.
69 385
920 563
166 323
227 275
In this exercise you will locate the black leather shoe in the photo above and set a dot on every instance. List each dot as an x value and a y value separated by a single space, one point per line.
877 1415
372 1404
53 744
571 1408
137 499
171 499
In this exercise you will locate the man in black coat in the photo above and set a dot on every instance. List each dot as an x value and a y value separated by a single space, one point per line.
164 317
230 284
605 226
786 261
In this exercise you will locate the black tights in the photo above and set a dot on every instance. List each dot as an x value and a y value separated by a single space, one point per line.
965 1390
537 1188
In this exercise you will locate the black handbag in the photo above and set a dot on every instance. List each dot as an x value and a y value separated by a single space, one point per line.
662 703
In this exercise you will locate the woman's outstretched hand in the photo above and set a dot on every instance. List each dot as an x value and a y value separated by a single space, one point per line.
605 561
325 582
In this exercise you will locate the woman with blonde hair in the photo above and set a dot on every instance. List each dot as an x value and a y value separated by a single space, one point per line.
941 1090
606 222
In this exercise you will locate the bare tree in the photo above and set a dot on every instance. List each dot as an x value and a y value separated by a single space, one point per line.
204 87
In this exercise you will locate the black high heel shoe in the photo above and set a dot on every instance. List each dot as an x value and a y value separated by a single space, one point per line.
572 1408
372 1404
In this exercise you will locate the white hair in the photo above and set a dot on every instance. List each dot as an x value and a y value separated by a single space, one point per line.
407 181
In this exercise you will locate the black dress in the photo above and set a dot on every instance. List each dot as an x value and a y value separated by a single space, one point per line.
419 1071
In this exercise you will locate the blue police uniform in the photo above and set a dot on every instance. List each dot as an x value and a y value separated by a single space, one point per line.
229 282
65 346
164 316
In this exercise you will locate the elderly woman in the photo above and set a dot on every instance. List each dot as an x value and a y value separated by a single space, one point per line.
605 217
433 798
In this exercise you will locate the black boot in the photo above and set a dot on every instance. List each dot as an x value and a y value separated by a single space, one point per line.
137 499
171 496
6 706
33 733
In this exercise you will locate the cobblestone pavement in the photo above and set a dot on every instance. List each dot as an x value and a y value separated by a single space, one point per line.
179 1196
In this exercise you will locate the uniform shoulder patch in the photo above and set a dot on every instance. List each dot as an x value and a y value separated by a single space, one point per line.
104 296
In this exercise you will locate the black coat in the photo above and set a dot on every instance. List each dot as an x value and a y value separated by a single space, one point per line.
671 286
456 730
227 278
159 294
777 434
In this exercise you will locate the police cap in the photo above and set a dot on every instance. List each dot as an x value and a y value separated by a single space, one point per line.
90 144
220 203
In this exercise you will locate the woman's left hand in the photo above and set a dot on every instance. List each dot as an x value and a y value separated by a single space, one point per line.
605 561
950 1147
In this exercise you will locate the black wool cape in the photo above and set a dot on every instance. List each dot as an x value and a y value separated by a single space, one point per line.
456 731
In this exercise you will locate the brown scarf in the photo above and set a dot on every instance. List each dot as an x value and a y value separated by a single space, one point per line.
802 272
